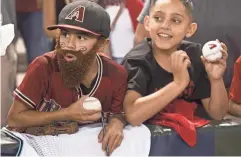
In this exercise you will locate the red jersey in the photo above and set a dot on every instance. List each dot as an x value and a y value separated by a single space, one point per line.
43 89
235 88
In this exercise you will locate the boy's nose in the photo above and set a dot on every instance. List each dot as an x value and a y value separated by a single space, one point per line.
165 25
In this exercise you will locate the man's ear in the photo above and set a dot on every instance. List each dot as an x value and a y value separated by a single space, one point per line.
146 23
103 44
192 30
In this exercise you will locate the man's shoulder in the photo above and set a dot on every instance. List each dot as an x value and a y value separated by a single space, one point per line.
45 61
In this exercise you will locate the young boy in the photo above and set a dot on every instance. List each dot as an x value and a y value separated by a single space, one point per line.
167 74
235 89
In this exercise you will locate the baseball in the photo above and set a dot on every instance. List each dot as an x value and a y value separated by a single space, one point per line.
212 51
92 103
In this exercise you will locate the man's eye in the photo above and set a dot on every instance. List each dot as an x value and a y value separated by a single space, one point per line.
81 37
65 34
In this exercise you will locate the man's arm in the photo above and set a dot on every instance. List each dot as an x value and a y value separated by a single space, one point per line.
217 104
234 108
22 116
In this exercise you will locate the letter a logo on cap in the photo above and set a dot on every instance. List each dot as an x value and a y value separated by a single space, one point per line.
78 13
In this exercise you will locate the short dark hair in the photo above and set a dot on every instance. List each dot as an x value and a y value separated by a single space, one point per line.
188 4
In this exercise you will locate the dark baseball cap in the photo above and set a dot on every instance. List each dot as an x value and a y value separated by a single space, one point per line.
86 16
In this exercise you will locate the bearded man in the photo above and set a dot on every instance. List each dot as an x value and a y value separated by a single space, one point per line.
58 83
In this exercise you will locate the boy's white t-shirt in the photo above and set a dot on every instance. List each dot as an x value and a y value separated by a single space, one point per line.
122 38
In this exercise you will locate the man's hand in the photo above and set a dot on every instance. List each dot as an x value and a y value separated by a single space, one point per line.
113 135
216 69
78 113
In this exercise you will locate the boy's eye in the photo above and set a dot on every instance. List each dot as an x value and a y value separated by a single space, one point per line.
176 21
158 18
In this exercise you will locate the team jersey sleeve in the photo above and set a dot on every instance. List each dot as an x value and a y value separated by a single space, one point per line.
119 84
34 84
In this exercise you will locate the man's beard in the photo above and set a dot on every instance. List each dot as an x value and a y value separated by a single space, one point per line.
74 72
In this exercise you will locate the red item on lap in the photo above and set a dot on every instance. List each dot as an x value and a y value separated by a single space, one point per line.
179 115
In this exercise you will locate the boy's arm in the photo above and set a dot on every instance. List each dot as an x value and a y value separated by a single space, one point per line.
235 108
139 109
217 104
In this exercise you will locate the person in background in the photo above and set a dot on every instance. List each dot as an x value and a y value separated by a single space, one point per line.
8 61
235 90
30 24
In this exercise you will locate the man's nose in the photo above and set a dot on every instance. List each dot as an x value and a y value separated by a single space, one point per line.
71 43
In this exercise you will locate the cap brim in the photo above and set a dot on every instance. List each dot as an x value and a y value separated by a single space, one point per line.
64 26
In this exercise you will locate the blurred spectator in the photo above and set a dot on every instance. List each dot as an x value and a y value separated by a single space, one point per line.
30 25
122 36
235 90
8 62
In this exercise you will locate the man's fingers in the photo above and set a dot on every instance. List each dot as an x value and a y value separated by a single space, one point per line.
92 117
116 143
82 99
100 136
111 142
92 112
105 141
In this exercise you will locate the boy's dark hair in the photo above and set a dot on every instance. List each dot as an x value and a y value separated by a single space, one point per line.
187 3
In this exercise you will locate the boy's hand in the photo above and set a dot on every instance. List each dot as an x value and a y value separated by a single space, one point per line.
216 69
113 135
180 63
78 113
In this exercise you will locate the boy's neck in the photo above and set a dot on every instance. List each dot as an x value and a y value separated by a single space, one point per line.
163 57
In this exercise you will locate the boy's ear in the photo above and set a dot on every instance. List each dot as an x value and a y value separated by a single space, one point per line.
192 29
146 23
